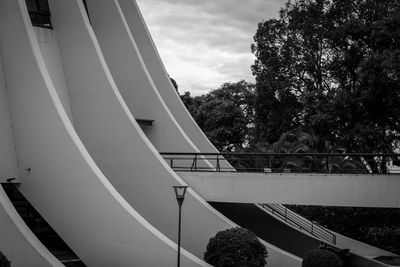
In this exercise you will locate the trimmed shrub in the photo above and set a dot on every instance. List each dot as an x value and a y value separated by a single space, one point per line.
235 247
321 258
4 262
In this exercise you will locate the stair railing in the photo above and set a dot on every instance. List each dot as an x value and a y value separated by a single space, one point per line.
299 222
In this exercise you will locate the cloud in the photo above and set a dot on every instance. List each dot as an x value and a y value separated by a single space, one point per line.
205 43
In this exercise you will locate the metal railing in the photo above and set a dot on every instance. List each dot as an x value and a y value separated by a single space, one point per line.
340 163
311 227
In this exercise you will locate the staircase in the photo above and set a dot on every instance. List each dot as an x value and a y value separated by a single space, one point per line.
41 229
312 228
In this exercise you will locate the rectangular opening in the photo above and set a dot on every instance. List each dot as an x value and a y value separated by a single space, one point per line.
39 12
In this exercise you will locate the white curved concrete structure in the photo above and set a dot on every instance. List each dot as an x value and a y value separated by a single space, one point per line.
17 242
133 79
55 159
61 180
159 76
125 169
84 162
128 170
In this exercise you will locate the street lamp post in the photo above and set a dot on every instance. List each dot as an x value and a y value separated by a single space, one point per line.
180 191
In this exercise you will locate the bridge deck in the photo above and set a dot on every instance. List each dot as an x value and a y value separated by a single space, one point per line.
359 190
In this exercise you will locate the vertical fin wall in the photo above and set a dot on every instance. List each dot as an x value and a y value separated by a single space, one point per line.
162 82
61 180
116 142
151 198
133 79
161 79
48 43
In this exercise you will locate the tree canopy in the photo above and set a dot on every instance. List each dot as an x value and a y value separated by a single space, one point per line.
330 68
225 114
235 247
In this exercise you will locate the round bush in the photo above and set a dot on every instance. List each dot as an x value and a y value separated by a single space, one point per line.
235 247
4 262
321 258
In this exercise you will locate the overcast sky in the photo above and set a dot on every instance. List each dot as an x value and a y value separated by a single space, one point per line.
204 43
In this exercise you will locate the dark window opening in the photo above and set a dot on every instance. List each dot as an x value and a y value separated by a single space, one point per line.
39 12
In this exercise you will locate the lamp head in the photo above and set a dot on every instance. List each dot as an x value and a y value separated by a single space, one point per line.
180 191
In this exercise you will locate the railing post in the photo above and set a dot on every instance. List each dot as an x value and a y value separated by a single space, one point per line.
218 167
327 164
285 214
172 163
195 162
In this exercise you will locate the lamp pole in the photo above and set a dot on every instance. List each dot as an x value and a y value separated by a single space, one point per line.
180 191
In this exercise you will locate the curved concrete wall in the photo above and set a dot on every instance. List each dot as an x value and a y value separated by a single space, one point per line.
116 142
48 44
17 242
63 182
120 45
160 78
142 178
8 161
133 79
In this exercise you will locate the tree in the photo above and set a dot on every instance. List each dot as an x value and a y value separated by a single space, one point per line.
192 104
225 115
321 258
174 83
331 67
378 227
235 247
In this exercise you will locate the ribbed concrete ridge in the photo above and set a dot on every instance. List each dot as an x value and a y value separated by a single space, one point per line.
57 174
160 78
126 64
153 63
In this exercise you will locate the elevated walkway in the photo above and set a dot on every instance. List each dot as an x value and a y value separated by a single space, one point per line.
334 179
276 181
357 190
